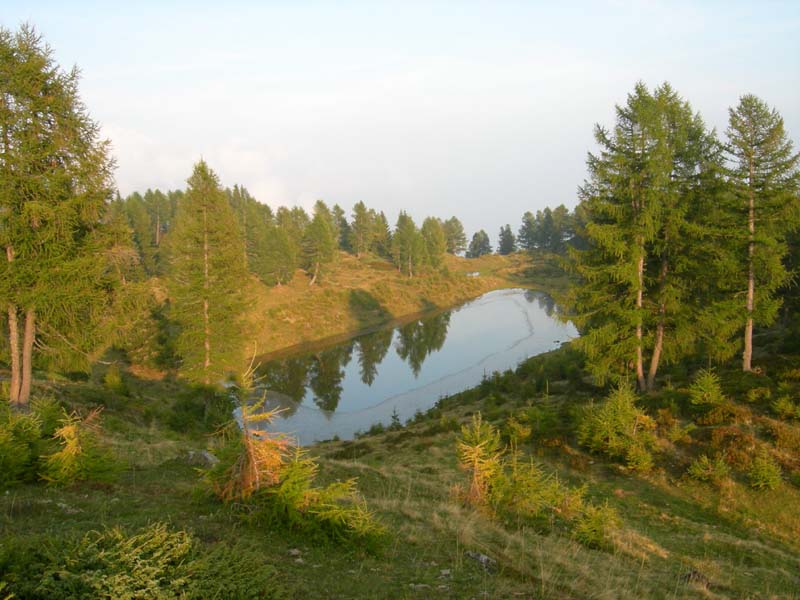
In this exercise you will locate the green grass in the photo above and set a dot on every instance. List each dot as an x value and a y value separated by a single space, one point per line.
744 541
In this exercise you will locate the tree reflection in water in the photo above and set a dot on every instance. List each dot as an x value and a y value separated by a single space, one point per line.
323 371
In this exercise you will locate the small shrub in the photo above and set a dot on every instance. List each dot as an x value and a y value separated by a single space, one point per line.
785 408
81 456
706 389
114 382
787 437
619 429
596 525
19 446
735 445
758 394
479 452
714 471
765 473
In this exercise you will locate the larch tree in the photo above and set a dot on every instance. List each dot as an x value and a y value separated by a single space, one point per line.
479 245
276 255
362 230
507 243
526 238
55 180
381 243
205 280
319 242
454 233
435 241
765 178
408 247
637 271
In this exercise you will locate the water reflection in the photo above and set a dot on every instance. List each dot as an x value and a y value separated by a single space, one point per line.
323 372
352 385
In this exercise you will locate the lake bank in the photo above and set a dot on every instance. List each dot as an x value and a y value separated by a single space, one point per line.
395 372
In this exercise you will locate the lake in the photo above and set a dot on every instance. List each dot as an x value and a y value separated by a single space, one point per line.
348 387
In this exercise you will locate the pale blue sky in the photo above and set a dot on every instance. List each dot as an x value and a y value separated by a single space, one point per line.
479 109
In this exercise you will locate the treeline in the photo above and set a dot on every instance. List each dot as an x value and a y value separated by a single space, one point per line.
276 244
685 236
160 275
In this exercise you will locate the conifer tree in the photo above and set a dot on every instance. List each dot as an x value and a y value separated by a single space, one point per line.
275 258
435 242
363 230
508 242
382 236
455 236
205 280
527 232
343 228
479 245
408 247
638 272
765 179
319 242
55 176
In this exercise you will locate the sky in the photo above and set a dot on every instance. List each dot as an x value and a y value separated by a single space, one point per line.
482 110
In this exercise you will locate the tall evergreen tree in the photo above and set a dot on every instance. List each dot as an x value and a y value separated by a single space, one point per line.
275 259
55 177
765 178
527 232
205 280
363 230
637 273
319 242
508 242
342 227
382 236
455 236
479 245
435 242
408 247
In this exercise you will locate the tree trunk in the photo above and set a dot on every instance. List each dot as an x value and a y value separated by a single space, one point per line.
659 345
316 272
207 328
27 356
13 342
747 355
639 334
13 345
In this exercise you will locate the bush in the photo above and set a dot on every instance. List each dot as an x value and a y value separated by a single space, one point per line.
81 455
713 471
706 389
785 408
765 473
596 525
272 480
20 436
153 563
619 429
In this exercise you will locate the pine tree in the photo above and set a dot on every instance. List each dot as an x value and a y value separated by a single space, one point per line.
408 247
343 228
641 202
479 245
319 242
205 280
454 233
363 230
527 235
55 177
382 236
275 258
765 178
435 242
508 242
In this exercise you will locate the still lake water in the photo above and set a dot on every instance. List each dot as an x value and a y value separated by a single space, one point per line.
339 390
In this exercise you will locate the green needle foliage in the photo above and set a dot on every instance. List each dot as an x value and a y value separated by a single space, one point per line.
319 243
55 179
205 280
479 245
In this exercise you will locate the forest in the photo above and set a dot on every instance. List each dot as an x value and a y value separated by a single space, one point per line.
655 455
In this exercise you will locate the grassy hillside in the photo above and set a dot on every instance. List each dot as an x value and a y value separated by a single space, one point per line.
678 537
357 294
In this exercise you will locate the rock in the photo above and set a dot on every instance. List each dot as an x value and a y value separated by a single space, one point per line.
201 458
295 552
299 561
444 573
696 577
489 564
419 586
